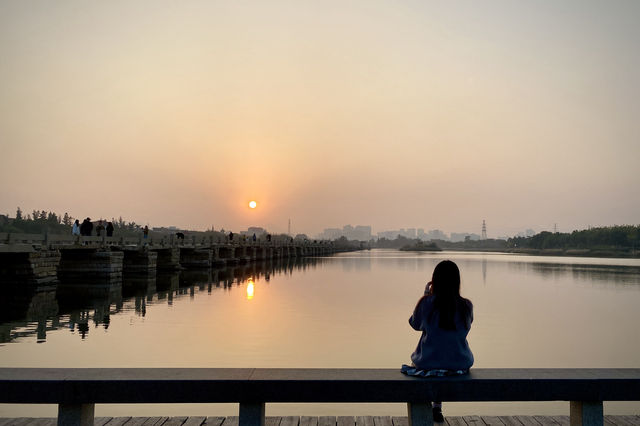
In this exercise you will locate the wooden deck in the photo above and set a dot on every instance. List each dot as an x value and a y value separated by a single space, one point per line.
326 421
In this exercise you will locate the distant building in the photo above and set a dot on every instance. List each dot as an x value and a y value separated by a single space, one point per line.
330 234
436 234
254 230
359 233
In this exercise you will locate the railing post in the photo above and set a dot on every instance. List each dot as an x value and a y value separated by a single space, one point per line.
251 414
586 413
76 414
420 414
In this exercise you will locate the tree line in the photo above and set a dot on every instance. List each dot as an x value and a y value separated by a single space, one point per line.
42 221
624 237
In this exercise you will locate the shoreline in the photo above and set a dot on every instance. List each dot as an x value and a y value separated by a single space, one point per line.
610 254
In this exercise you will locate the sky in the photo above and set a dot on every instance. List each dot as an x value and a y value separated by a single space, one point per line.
394 114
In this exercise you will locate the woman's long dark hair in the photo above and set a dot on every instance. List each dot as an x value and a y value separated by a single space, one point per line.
445 287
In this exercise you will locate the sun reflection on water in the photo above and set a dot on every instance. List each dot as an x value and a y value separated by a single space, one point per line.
250 289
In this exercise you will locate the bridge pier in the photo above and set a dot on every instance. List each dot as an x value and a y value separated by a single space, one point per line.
216 260
168 258
142 262
31 269
195 257
240 253
226 253
90 272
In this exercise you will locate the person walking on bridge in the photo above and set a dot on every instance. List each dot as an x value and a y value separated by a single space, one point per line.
86 227
75 230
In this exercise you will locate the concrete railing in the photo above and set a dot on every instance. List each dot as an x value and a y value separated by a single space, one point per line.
76 391
12 240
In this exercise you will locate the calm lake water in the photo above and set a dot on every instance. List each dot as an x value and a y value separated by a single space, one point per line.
348 310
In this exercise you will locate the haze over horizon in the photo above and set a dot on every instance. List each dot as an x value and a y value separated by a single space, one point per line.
431 115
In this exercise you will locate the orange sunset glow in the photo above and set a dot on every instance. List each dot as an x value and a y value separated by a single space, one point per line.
389 114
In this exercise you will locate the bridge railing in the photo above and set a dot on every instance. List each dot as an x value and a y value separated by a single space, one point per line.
170 240
76 391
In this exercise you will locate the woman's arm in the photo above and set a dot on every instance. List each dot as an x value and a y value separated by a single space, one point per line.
415 321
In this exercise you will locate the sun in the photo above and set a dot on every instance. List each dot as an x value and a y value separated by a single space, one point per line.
253 204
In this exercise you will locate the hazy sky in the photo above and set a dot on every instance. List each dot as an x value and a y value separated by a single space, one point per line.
383 113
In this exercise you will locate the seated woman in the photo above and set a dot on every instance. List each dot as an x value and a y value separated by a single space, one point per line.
444 317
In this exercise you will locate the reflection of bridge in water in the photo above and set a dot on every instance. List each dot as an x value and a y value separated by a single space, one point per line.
37 311
87 277
32 260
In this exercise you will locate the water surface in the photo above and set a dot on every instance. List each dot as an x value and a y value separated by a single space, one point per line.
349 310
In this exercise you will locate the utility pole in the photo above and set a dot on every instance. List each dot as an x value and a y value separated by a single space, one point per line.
289 228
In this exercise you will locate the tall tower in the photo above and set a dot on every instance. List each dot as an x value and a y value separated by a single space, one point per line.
484 230
289 227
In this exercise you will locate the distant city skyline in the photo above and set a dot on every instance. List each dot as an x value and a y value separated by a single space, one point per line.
366 232
427 114
357 232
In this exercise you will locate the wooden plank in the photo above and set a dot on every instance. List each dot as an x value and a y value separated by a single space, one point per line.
364 421
632 420
137 421
174 421
199 420
272 421
615 421
455 421
309 421
492 420
546 420
561 420
155 421
510 420
229 421
101 421
473 420
326 421
528 420
347 421
289 421
621 420
118 421
45 421
382 421
30 421
23 421
397 421
213 421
